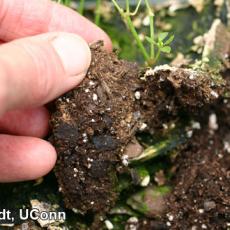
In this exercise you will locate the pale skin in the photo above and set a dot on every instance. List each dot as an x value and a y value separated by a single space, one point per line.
44 53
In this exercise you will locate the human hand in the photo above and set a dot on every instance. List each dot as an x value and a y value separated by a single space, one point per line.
36 66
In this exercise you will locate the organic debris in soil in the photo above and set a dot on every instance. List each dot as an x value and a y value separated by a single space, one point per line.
201 196
168 91
93 123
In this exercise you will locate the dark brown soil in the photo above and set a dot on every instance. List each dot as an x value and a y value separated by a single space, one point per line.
93 124
201 185
170 91
91 127
201 195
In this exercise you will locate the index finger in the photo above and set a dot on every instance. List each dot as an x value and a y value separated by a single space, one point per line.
26 18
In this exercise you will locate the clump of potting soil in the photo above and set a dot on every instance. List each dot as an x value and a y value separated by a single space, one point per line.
168 91
95 122
91 127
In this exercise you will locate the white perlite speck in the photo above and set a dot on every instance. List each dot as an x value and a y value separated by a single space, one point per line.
196 125
189 133
146 21
192 76
170 217
132 223
145 181
168 223
214 94
137 95
203 226
143 126
227 146
212 124
91 83
89 159
85 140
133 219
95 97
124 160
108 224
201 211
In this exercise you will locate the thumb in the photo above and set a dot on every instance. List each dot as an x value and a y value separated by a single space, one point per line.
35 70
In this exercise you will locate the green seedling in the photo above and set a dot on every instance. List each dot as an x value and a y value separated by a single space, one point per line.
81 6
64 2
156 45
162 44
97 15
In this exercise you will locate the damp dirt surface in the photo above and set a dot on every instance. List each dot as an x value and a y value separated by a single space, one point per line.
93 124
201 185
200 198
201 194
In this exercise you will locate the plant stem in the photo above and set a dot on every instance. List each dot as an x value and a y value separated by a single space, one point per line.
118 7
137 8
64 2
152 32
81 7
129 23
157 56
127 6
97 12
137 38
152 36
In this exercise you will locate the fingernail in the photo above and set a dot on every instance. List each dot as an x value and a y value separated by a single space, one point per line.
74 53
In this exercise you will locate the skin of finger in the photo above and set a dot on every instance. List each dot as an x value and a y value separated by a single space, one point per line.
25 18
26 80
28 122
24 158
41 76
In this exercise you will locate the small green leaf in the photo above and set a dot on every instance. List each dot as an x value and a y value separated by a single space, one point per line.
166 49
162 36
171 38
150 40
160 44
